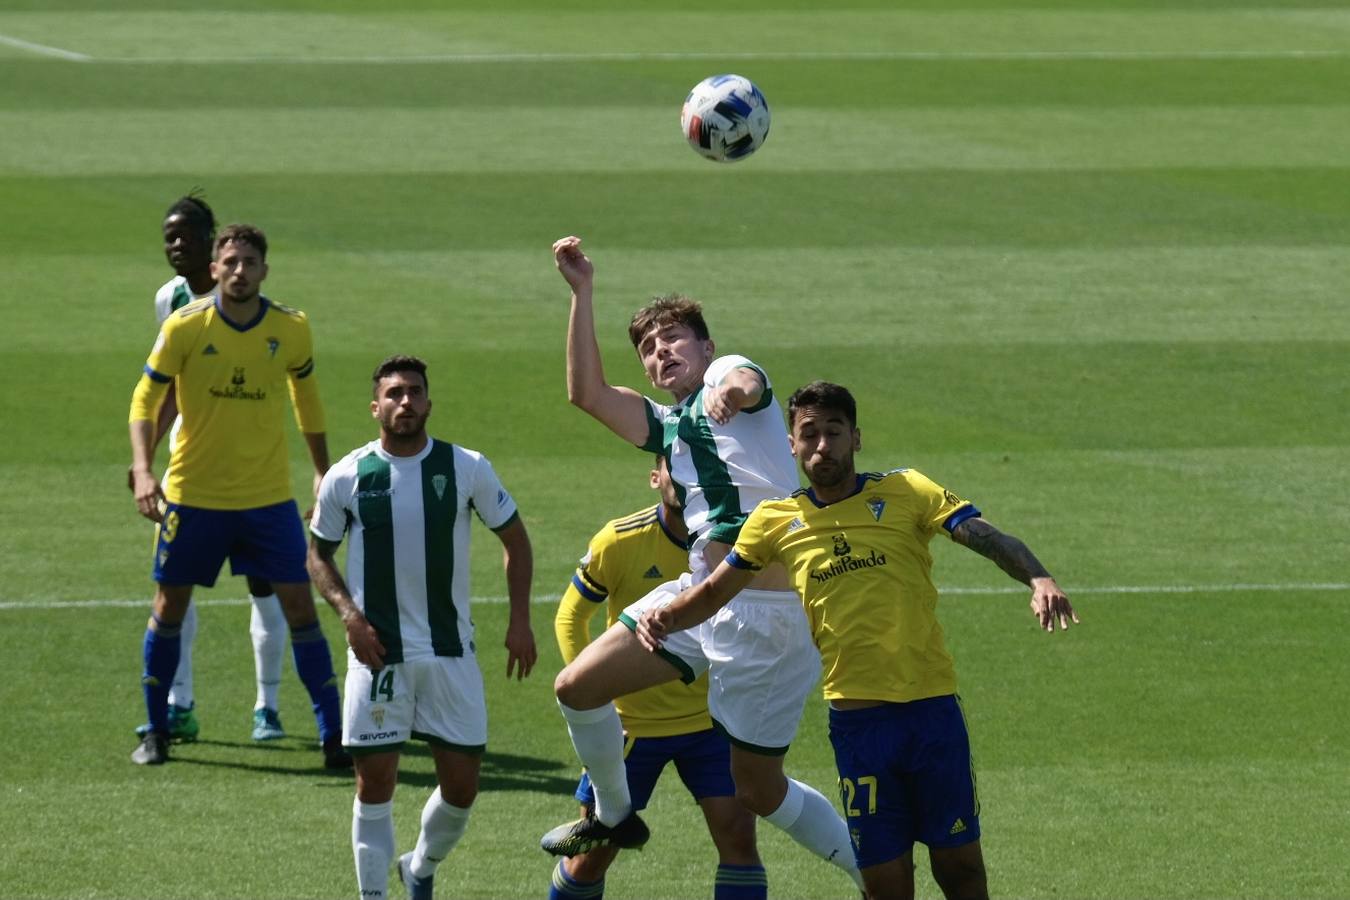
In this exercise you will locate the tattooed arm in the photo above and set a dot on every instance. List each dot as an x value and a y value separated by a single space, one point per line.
1048 602
323 571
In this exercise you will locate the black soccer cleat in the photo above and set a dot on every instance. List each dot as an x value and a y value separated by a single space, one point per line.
588 833
153 750
334 756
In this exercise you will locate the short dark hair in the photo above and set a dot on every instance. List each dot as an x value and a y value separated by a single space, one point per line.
398 363
192 207
242 234
668 309
826 395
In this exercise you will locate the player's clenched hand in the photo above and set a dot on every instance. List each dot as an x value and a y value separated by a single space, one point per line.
653 626
1049 604
363 640
722 402
521 653
576 269
148 495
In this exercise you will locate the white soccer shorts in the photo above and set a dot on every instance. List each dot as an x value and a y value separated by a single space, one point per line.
438 699
760 659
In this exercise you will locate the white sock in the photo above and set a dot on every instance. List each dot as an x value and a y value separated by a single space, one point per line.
181 692
373 847
597 735
811 820
442 827
267 626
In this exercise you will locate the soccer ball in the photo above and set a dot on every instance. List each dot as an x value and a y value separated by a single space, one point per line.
725 118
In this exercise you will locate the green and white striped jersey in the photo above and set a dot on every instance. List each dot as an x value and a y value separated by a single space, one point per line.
408 558
721 472
174 294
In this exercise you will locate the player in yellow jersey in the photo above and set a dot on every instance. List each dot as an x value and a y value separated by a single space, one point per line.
668 723
189 231
856 547
228 492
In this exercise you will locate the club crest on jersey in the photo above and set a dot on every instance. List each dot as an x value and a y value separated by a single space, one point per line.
272 345
238 375
877 506
841 547
438 483
377 716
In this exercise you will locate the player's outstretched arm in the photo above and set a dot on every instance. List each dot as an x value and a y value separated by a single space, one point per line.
622 410
518 560
1048 603
323 571
693 605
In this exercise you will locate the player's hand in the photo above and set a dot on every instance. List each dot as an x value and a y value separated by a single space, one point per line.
654 626
722 402
575 268
364 641
1049 605
147 493
521 653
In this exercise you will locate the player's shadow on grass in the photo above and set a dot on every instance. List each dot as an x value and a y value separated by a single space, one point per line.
501 771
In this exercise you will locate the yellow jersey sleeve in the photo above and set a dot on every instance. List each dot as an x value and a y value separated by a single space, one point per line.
584 597
939 507
755 545
304 386
161 367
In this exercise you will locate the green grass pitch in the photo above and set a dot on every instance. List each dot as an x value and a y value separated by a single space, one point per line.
1085 262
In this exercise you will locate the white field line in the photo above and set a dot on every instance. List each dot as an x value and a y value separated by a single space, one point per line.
770 56
1293 587
44 50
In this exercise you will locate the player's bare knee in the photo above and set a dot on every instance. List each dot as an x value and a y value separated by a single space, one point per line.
461 795
756 798
572 689
297 604
961 876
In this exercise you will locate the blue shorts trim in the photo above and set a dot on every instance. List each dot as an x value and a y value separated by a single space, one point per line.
905 775
265 542
702 759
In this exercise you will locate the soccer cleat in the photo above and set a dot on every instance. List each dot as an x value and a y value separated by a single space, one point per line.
153 750
418 888
183 726
267 725
334 757
586 834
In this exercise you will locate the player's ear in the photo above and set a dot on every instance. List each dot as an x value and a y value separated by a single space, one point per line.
709 349
263 276
857 439
655 480
428 407
374 409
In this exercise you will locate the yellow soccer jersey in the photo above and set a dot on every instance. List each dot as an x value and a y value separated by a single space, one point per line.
626 560
230 452
864 573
